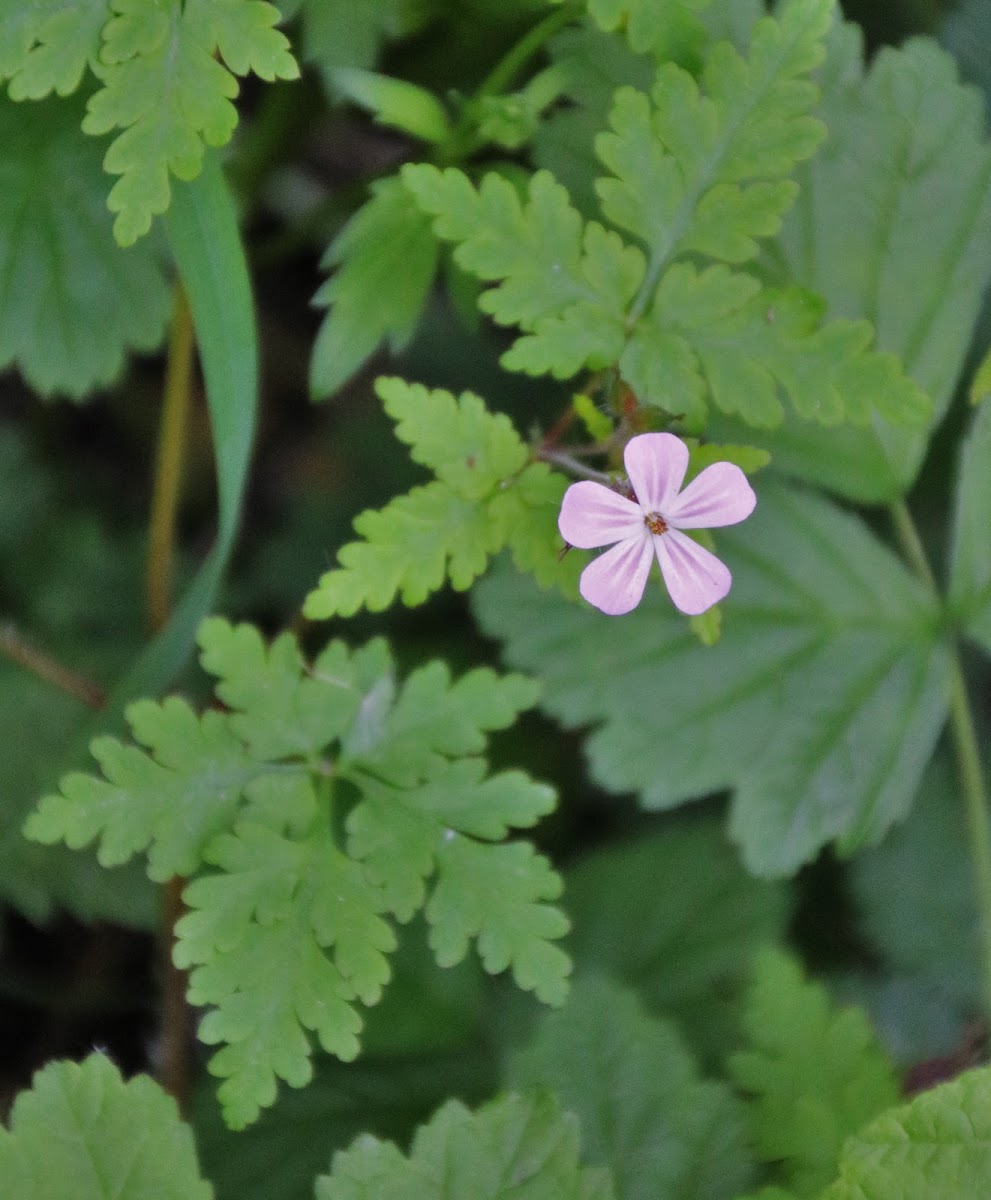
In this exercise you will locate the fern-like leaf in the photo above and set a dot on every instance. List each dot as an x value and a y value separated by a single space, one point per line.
165 89
289 929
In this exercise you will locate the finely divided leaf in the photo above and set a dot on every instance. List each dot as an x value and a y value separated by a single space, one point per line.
72 303
471 449
815 1075
170 802
433 719
568 287
498 895
513 1146
385 260
698 170
281 707
664 1133
650 25
82 1131
165 89
701 171
820 704
411 547
938 1145
46 45
287 931
485 497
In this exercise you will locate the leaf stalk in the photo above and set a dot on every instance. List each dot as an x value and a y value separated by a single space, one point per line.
966 750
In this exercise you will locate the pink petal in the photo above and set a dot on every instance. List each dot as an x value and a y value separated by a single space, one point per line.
656 464
614 582
720 495
593 515
695 579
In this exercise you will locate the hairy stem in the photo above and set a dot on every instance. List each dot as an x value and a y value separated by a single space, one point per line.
15 648
968 757
570 464
175 1031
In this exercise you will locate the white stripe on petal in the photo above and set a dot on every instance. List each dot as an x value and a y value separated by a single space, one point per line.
695 579
656 464
614 582
592 515
720 495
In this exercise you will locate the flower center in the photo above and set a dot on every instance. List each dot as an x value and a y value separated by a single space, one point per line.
655 523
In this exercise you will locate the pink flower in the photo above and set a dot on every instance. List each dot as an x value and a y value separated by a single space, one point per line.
593 515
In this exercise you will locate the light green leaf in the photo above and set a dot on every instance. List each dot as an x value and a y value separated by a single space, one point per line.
693 878
561 283
385 260
45 46
169 802
280 709
282 1154
433 718
815 1075
664 1133
471 449
171 97
683 170
485 498
820 704
82 1130
498 894
395 102
285 932
656 25
411 547
893 224
938 1145
970 570
72 303
513 1146
727 337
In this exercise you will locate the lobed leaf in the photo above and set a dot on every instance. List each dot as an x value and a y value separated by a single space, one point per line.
514 1145
171 97
498 895
939 1144
73 305
286 932
663 1132
170 802
815 1076
892 225
469 448
281 707
411 547
45 46
649 25
485 497
820 704
81 1127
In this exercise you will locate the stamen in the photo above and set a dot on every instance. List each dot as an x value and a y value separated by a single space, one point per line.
655 523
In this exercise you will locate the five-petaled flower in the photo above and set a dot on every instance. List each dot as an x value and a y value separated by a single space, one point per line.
650 524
